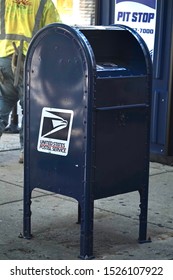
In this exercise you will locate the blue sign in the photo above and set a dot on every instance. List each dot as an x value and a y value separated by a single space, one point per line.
149 3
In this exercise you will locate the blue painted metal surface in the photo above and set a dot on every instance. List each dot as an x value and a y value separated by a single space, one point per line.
87 119
161 147
161 121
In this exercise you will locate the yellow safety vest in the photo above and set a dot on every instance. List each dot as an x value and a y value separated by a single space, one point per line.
21 19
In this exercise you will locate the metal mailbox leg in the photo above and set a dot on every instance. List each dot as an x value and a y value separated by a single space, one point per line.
27 215
143 215
86 234
79 214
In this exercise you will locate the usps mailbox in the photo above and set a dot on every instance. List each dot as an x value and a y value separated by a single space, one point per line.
87 119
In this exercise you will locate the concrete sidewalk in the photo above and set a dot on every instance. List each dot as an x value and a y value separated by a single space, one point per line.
55 232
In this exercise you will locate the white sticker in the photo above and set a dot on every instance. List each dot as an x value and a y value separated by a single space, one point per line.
55 131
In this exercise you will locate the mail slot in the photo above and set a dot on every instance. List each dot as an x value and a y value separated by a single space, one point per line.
87 119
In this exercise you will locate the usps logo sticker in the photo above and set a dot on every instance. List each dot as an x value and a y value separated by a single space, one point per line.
55 131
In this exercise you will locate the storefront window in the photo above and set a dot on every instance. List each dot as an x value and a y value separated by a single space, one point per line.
76 12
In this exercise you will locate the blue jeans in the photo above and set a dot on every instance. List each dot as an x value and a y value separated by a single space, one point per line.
9 95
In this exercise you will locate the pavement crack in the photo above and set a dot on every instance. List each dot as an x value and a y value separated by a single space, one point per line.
8 150
159 173
10 183
10 202
133 218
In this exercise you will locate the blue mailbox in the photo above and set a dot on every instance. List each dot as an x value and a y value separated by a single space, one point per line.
87 119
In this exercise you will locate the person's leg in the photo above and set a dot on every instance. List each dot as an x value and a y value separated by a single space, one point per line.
21 158
8 94
5 110
12 126
20 91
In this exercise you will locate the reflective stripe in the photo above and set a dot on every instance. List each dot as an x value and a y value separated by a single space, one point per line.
16 36
2 7
38 16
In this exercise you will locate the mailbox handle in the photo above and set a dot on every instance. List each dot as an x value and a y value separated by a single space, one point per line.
122 107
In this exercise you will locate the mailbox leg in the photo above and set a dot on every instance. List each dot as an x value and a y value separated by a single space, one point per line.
143 215
27 215
86 235
79 214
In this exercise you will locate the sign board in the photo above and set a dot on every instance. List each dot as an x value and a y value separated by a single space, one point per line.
139 15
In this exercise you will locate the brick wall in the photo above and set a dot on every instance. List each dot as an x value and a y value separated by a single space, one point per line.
87 11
